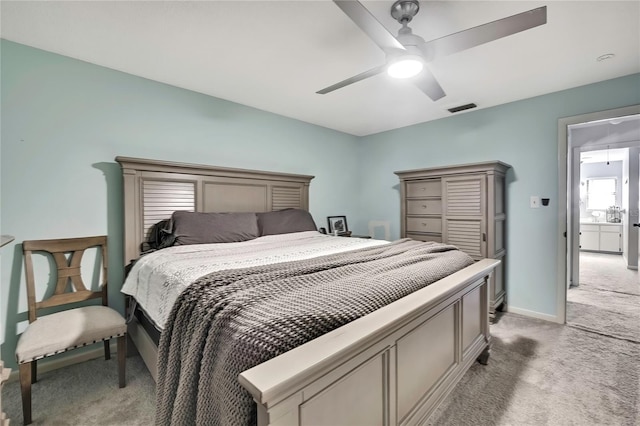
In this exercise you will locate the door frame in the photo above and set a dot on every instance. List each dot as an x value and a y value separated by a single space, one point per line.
568 227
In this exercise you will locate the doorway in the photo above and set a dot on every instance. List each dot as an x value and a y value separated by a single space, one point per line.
607 261
569 187
605 189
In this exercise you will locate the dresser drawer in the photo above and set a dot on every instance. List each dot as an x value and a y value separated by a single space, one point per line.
611 228
424 206
426 237
421 224
424 188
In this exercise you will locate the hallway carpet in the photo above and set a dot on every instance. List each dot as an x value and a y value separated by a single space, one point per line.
607 301
607 272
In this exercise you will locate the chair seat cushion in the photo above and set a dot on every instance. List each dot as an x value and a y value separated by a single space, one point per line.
55 333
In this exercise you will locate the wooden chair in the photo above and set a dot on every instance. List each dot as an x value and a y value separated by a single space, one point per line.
72 328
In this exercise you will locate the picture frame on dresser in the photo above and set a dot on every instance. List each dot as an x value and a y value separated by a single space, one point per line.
337 224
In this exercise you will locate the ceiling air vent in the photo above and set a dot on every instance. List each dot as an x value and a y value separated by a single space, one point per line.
462 108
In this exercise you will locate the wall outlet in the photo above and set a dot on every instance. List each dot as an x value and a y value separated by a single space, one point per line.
534 202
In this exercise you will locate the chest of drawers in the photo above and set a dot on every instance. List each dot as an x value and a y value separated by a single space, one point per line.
461 205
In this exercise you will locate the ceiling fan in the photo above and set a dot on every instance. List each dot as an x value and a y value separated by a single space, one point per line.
408 53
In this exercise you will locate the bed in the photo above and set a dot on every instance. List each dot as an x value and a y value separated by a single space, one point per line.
390 365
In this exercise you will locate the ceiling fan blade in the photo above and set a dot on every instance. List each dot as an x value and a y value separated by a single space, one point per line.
484 33
427 82
354 79
361 16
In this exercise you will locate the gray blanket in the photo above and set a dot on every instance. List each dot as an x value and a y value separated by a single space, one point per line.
229 321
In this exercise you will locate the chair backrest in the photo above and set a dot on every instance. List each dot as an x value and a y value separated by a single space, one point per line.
70 287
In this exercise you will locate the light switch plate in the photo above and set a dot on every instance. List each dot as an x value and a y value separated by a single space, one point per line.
534 202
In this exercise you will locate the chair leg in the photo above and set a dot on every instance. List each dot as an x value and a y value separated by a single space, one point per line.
25 388
107 350
34 371
122 358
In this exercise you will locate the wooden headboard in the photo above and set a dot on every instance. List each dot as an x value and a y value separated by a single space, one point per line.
154 189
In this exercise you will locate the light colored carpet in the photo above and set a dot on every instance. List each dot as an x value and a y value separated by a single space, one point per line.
607 301
548 374
607 272
612 314
87 394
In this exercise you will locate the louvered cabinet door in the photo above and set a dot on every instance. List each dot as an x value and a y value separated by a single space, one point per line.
286 197
464 220
162 197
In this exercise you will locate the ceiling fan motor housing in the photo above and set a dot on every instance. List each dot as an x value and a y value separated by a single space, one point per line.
403 11
412 42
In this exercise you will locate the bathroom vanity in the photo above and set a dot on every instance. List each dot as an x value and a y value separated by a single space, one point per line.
601 236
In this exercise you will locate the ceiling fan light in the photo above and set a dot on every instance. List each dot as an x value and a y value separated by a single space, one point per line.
405 67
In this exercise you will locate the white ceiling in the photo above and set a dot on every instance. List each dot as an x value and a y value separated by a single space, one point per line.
274 55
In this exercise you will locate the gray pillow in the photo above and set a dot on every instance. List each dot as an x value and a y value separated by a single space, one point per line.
285 221
205 228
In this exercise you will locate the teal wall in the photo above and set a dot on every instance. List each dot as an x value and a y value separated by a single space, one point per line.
64 121
522 134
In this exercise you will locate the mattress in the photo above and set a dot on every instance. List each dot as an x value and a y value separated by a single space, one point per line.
156 279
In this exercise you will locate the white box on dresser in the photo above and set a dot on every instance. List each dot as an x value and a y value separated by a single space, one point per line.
463 205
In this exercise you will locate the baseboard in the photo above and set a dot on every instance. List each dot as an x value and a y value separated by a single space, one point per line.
533 314
73 357
634 268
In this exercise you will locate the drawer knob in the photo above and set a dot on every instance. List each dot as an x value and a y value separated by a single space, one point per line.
424 223
424 206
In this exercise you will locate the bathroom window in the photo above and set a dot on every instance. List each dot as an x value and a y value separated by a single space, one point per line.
601 193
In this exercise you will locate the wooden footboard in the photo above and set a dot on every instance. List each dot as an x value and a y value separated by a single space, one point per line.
391 367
